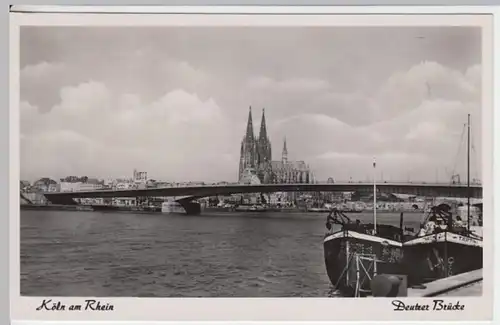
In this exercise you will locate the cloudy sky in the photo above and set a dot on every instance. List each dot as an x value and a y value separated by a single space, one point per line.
174 101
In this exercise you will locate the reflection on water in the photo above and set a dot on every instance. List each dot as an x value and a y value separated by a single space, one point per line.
67 253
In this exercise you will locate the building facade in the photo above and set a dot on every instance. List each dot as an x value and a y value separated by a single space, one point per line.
256 159
140 177
80 184
45 184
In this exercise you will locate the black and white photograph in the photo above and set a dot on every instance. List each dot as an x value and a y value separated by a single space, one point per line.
336 161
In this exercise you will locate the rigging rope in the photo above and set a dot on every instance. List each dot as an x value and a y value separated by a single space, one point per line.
475 158
458 153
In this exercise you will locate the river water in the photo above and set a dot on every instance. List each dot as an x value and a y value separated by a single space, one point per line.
223 254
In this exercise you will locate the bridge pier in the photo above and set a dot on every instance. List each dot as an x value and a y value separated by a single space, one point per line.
192 208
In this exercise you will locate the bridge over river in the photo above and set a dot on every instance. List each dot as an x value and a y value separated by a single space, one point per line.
190 193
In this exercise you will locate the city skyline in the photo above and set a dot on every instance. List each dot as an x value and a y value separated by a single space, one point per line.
103 101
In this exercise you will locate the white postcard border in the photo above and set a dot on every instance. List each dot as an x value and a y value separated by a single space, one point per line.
254 309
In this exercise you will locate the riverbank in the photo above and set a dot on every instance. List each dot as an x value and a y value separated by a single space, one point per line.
55 207
87 208
58 207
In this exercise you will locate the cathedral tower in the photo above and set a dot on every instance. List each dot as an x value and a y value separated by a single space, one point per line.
248 151
264 145
284 154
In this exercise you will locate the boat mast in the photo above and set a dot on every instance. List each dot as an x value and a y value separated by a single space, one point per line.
468 172
374 197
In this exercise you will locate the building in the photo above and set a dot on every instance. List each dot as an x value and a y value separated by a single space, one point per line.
251 153
124 201
45 184
285 172
24 185
88 187
256 159
140 177
33 198
69 186
80 184
123 186
249 177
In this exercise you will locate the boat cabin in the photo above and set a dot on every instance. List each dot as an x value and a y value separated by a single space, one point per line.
383 231
441 218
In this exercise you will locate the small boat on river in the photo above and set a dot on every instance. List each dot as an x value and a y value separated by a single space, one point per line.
443 247
355 252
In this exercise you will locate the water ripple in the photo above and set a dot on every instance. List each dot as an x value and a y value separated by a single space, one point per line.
67 253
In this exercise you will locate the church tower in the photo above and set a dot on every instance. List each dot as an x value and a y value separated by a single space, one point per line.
264 145
248 149
284 154
263 150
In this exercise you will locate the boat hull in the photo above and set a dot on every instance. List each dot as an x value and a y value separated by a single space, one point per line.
441 255
252 208
340 250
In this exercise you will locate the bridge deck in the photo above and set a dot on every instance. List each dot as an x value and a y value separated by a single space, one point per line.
420 189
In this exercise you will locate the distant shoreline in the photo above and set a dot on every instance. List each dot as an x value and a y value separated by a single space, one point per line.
86 208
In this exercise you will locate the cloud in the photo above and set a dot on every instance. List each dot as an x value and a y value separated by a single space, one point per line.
40 82
178 109
96 132
343 166
289 85
388 156
180 124
185 74
403 91
426 81
424 140
41 70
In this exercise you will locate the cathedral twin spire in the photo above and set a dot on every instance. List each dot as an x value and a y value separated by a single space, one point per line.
249 135
256 157
255 151
262 143
263 130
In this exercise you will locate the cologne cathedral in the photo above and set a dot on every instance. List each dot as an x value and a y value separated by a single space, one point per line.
257 166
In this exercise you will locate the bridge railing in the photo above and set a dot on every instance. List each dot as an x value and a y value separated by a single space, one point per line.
308 186
410 183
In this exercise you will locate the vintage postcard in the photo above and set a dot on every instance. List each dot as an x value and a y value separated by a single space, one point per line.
326 163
